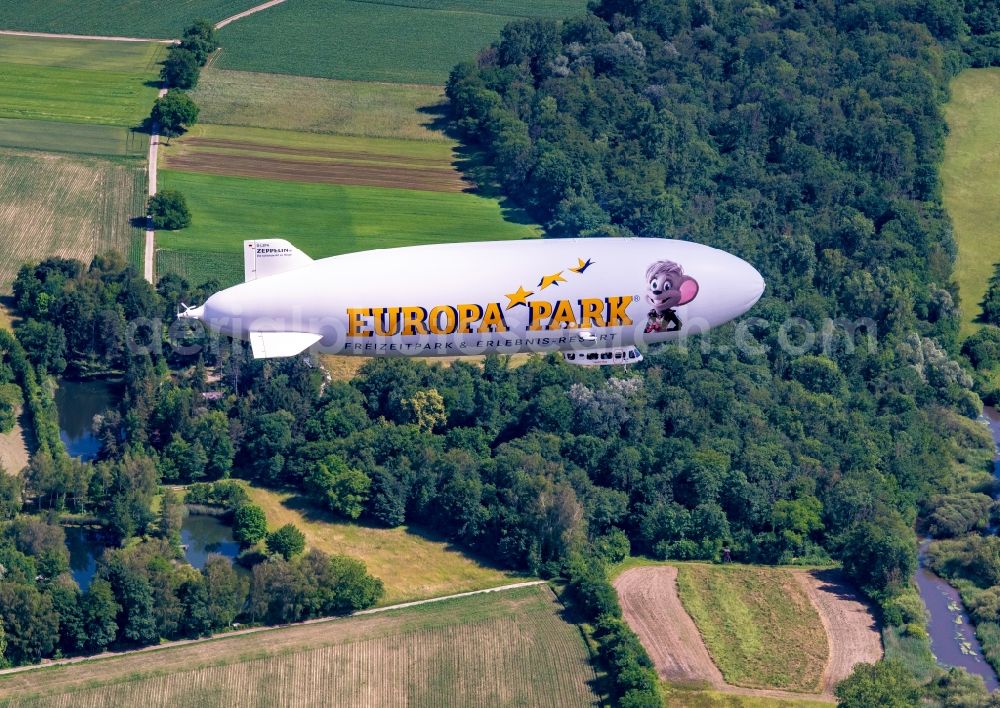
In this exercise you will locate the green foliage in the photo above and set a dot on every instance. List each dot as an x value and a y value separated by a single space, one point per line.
340 488
11 488
30 622
991 301
99 612
310 586
973 557
171 518
168 209
201 39
228 494
286 542
249 524
174 113
887 683
181 68
983 347
955 514
879 557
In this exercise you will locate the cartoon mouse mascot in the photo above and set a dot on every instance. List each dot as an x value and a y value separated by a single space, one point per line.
666 288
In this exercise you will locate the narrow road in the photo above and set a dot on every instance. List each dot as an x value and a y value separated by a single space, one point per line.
154 149
263 6
252 630
54 35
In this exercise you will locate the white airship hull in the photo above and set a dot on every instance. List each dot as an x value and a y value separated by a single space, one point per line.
499 297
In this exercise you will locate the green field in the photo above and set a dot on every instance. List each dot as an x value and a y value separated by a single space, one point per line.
970 177
412 565
61 205
134 18
759 625
318 105
321 219
499 649
112 83
80 138
415 42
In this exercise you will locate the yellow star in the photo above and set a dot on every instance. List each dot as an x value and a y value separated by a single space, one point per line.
582 265
518 298
548 280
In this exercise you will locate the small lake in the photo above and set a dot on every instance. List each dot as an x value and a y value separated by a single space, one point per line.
200 535
77 402
953 637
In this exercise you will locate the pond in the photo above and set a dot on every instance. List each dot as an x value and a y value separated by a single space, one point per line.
77 403
200 535
85 547
953 638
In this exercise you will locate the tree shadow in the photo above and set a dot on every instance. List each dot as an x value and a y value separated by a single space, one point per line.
140 222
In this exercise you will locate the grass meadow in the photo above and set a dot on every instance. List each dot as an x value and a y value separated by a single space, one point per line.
161 19
418 42
302 103
970 178
412 565
76 81
760 627
320 219
498 649
79 138
61 205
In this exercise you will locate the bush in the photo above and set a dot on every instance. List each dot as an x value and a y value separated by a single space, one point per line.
286 542
249 524
225 493
169 210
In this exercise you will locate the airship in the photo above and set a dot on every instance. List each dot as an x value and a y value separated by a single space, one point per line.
595 300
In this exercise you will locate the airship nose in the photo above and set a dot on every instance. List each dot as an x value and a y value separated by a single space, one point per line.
754 285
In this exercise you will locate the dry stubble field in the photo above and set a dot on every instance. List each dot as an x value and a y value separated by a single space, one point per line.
59 205
497 649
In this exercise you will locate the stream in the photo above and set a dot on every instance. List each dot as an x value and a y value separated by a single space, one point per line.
953 638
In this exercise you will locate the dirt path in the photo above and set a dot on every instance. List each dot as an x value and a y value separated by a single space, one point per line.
154 150
653 609
14 447
255 630
54 35
851 632
239 16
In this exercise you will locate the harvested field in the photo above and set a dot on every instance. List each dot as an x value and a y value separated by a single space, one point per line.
77 81
508 648
318 159
851 630
653 609
412 565
740 608
60 205
300 103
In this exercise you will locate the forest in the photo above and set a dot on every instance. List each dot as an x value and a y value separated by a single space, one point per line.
803 137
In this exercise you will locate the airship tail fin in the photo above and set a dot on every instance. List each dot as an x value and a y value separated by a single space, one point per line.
268 345
262 258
